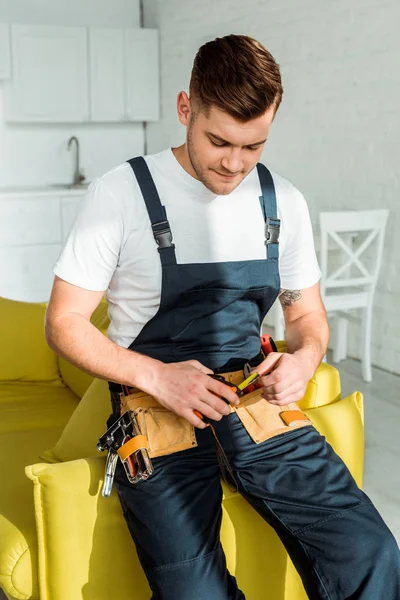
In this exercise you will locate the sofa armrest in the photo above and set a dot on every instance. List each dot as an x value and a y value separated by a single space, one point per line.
82 533
24 353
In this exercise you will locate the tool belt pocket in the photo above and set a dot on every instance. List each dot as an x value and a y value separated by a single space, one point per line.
166 431
263 420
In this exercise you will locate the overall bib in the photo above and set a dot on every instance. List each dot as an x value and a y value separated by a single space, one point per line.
213 313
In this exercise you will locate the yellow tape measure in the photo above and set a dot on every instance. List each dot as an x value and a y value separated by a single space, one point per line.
251 379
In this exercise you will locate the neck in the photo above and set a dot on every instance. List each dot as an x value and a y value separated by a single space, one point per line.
182 156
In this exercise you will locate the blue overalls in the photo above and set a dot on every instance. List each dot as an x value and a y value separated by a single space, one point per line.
336 539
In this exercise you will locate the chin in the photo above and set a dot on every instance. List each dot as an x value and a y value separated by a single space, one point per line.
222 189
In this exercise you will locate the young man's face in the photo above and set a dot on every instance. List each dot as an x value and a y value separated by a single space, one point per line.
222 150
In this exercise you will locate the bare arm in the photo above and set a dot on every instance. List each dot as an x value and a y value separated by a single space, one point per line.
307 335
181 387
307 331
70 333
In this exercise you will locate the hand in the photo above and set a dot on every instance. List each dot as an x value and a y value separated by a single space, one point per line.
184 387
284 377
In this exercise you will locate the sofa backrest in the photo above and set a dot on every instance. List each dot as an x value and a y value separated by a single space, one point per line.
24 353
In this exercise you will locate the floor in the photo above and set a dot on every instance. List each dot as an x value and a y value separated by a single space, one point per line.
382 438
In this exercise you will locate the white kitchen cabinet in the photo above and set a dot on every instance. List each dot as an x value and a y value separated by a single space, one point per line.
69 207
107 74
142 74
25 221
5 55
33 229
50 75
124 74
27 272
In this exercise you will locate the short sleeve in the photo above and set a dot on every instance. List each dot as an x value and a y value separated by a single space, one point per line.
298 263
91 252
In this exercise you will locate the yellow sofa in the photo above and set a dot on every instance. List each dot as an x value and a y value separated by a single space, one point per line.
62 540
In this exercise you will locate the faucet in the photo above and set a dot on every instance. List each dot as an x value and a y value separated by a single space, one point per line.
78 176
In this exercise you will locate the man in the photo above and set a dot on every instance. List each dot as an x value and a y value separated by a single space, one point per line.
187 252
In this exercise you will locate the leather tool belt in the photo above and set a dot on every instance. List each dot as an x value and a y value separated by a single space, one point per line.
167 432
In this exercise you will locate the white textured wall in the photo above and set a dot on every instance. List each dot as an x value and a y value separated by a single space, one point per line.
337 133
37 154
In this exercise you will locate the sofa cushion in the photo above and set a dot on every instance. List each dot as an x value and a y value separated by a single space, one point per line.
86 425
18 538
323 388
26 406
76 379
24 353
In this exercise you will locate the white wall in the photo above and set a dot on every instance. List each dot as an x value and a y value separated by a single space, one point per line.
37 154
337 133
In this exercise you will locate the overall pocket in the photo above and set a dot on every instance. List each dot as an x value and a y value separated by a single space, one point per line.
218 327
166 431
263 420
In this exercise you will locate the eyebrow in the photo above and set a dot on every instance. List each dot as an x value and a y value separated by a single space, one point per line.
220 139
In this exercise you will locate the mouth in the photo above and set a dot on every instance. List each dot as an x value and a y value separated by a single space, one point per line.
230 177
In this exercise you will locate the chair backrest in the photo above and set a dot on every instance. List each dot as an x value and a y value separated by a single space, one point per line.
359 236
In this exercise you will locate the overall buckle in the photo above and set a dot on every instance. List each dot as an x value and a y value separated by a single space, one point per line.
272 229
163 236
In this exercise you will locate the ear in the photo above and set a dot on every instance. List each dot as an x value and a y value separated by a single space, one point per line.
183 108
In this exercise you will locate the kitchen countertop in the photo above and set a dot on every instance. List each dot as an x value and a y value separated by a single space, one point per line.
50 189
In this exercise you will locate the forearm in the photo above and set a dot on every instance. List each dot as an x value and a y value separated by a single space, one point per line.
81 343
307 336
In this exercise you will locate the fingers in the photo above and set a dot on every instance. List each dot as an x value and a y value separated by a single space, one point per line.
295 397
285 382
278 384
293 393
216 403
269 363
223 390
193 419
211 413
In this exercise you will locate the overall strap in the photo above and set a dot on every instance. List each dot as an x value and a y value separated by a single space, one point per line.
157 213
269 209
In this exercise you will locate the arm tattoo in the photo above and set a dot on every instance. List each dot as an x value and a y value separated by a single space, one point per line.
288 297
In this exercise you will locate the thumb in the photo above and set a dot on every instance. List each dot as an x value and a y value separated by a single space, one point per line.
269 363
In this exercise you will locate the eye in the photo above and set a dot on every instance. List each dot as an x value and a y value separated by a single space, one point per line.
252 148
218 145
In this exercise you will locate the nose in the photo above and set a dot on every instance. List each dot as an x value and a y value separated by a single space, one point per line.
232 161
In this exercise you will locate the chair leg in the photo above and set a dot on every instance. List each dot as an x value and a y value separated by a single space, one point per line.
339 339
343 327
366 344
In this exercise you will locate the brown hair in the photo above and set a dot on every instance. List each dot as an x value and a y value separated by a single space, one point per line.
236 74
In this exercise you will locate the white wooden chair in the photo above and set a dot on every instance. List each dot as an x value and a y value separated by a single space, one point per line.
350 274
276 320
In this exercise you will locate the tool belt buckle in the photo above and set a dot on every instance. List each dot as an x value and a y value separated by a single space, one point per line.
137 464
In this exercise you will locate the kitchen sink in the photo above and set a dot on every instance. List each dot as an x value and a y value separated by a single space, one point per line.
69 186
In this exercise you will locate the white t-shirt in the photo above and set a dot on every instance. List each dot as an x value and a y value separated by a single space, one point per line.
111 245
